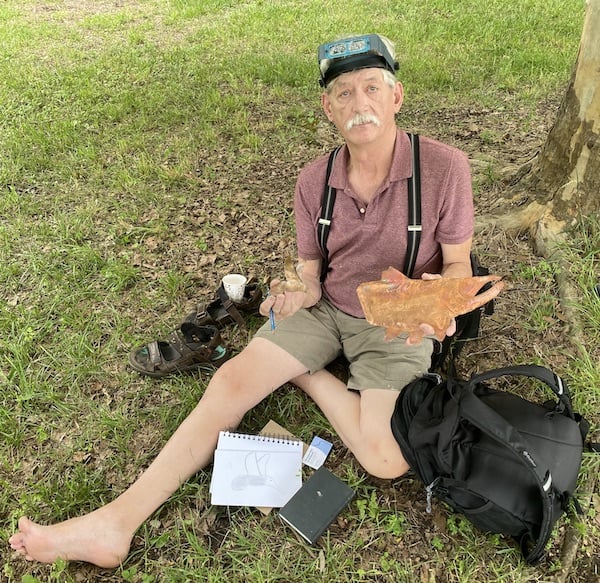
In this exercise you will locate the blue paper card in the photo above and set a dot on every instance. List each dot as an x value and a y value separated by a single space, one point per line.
317 452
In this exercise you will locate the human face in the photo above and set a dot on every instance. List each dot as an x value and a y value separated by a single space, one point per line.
362 105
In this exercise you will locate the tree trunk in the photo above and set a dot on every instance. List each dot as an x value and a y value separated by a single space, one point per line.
564 180
566 177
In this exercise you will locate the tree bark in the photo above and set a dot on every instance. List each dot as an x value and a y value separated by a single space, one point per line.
563 181
566 176
563 186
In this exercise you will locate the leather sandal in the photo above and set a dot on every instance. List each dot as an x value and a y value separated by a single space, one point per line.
223 310
186 349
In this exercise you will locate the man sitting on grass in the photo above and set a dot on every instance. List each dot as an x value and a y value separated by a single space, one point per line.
368 234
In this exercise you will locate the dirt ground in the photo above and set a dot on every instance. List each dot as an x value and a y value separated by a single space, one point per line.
242 215
243 212
498 144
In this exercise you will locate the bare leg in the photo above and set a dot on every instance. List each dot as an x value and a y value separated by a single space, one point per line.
104 536
362 420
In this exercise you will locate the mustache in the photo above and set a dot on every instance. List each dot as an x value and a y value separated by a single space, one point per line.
360 119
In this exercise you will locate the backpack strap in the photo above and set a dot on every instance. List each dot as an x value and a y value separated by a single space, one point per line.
414 208
493 424
414 211
324 223
496 426
541 373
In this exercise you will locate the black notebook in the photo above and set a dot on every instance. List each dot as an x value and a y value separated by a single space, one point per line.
315 506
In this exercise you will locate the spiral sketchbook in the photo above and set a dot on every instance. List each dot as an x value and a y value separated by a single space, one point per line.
255 470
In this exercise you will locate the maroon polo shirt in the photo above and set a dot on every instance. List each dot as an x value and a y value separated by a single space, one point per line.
366 239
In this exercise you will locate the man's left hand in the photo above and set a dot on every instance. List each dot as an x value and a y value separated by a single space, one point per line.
427 329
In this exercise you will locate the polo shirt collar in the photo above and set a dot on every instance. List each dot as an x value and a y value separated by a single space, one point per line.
401 163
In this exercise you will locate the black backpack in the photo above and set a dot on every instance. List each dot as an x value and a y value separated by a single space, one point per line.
467 325
508 464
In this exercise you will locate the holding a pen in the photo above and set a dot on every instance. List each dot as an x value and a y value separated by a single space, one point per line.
289 295
282 304
271 314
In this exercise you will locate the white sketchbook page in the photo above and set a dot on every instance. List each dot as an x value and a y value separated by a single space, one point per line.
273 428
258 472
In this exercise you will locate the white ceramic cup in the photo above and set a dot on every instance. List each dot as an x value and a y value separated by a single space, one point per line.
235 285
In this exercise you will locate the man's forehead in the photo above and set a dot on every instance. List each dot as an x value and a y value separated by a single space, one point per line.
372 74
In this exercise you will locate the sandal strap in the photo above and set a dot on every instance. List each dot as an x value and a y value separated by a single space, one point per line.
229 305
253 297
179 339
186 348
154 356
222 309
188 329
199 316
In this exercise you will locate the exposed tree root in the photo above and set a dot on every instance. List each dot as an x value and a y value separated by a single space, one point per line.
549 241
573 534
517 221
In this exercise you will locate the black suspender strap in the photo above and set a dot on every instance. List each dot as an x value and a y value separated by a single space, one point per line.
414 209
326 213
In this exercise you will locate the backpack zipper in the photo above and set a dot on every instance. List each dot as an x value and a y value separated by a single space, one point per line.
429 491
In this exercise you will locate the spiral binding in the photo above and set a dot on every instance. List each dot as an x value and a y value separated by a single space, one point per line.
264 438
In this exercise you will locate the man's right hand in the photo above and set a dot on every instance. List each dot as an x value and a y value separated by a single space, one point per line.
283 305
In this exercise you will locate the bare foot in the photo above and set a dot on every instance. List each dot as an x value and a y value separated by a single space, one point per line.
93 538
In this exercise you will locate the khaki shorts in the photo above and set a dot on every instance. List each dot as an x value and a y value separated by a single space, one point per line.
318 335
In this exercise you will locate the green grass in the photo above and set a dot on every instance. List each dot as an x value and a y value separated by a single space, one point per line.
148 147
